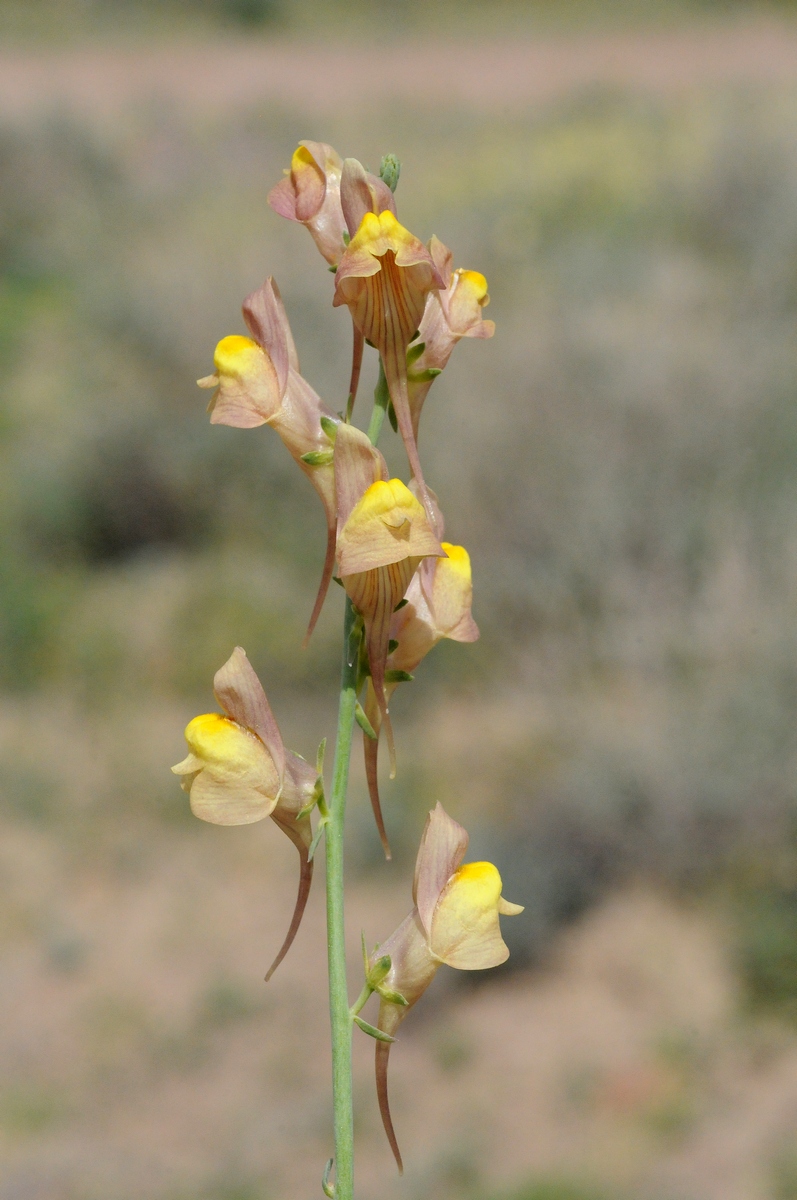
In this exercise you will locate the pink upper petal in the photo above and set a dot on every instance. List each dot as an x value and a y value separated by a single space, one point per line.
442 849
240 693
267 322
358 464
282 198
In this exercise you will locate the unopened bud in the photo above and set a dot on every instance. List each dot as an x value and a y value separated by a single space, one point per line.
390 170
317 458
378 971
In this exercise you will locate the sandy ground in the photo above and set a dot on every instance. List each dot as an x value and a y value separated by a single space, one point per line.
99 81
141 1054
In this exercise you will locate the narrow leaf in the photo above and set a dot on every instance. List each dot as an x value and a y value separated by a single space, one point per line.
326 1187
378 972
393 997
316 840
398 677
372 1031
329 427
363 722
415 352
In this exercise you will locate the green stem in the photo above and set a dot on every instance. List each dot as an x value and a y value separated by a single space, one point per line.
381 401
362 1000
340 1016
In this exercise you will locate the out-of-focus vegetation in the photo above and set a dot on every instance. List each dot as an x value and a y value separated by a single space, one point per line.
621 461
68 20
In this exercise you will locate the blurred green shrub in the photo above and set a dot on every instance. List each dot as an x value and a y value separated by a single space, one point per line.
621 460
766 925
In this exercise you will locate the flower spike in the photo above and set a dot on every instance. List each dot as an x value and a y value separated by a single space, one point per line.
238 771
454 921
439 599
452 313
385 277
257 382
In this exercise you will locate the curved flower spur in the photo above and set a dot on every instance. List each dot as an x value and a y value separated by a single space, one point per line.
454 922
257 382
238 771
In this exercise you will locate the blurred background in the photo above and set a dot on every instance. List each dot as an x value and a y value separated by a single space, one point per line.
621 461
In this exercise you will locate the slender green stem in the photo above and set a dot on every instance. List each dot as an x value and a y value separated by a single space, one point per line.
381 401
362 1000
340 1016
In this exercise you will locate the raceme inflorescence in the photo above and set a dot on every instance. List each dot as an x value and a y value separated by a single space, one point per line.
406 589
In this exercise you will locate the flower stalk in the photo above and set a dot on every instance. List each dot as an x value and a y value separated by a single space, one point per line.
340 1017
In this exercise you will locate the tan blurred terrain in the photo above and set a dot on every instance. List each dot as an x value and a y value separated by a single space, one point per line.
485 73
622 462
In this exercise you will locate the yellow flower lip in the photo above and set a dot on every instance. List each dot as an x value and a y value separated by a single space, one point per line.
458 560
479 884
387 525
465 932
380 232
378 227
390 501
236 355
476 283
302 158
220 742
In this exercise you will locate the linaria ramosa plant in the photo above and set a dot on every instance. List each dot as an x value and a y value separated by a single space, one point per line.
405 589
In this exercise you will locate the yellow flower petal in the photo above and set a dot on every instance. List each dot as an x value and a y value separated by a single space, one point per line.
387 525
236 356
465 931
236 780
249 391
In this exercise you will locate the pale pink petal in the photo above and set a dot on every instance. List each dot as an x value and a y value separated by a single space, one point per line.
240 693
443 847
267 322
225 802
358 464
282 198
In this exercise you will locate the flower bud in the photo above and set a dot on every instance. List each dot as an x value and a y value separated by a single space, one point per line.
390 170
